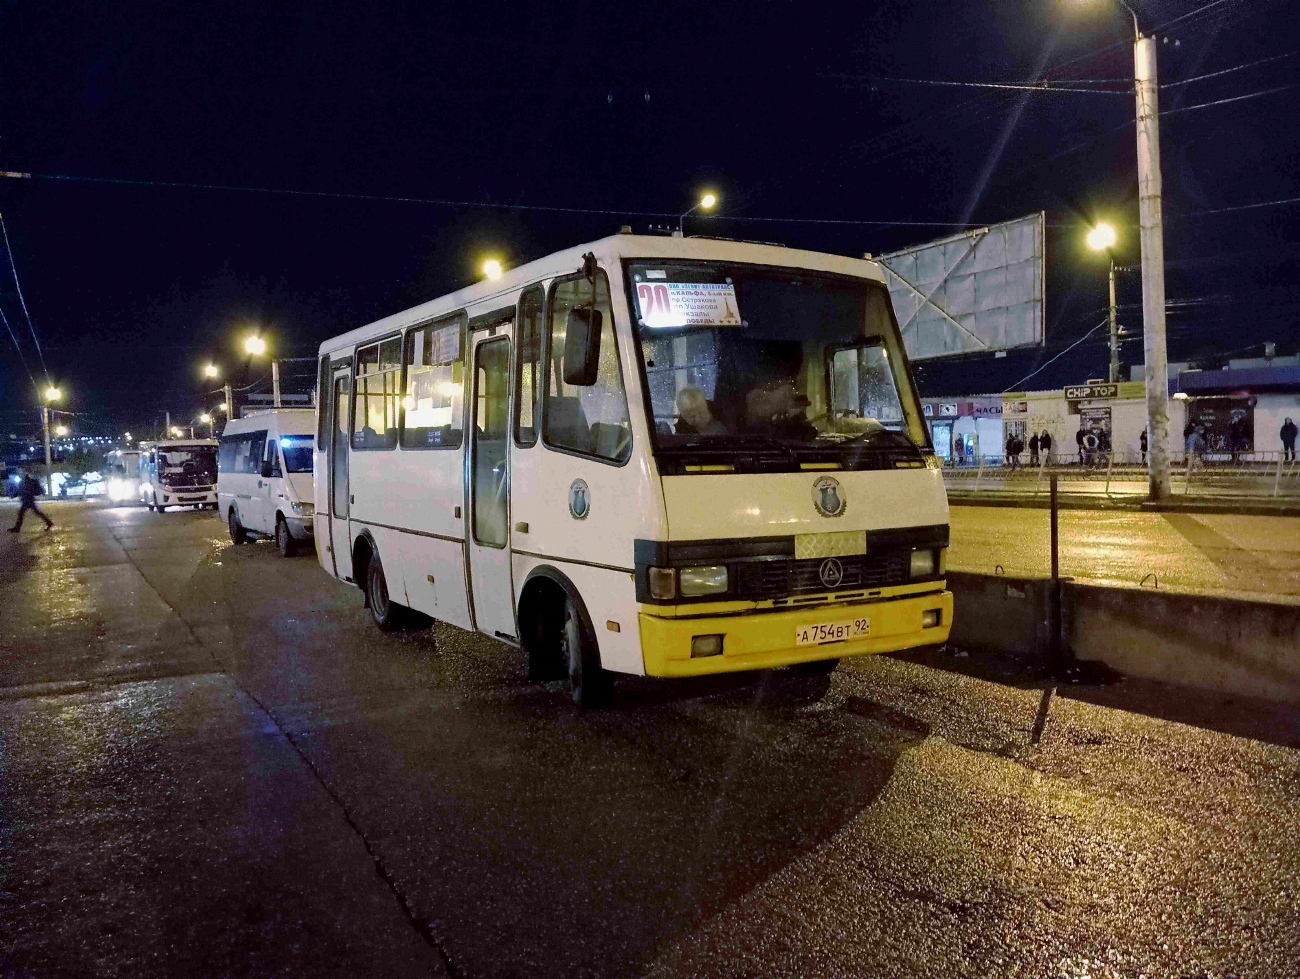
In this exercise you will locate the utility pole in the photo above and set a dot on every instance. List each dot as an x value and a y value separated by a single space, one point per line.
167 428
49 464
1114 327
275 382
1153 266
230 403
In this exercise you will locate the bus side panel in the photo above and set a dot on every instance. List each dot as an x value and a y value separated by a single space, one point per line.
321 502
435 578
610 597
372 481
423 489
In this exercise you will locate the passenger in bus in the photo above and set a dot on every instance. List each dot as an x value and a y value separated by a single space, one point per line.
696 415
776 407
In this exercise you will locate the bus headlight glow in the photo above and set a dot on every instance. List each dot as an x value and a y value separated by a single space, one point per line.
710 580
923 564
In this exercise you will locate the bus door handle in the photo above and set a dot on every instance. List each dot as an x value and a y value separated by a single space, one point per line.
521 527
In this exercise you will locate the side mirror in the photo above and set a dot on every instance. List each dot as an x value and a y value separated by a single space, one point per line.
582 346
266 470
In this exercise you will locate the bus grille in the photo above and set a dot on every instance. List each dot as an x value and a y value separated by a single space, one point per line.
776 579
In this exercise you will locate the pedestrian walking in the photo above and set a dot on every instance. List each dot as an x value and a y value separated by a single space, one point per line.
1033 449
1078 439
1288 434
1013 451
28 490
1142 444
1045 446
959 450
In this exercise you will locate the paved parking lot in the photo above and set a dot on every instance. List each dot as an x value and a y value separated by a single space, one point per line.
211 764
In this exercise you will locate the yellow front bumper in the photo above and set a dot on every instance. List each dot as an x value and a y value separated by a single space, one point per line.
762 639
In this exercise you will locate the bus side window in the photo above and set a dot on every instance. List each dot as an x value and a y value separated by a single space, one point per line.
435 385
529 344
591 420
322 415
379 373
273 456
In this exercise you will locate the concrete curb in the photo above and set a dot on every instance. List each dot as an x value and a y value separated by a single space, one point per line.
1224 645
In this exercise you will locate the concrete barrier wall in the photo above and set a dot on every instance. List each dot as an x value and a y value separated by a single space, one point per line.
1224 645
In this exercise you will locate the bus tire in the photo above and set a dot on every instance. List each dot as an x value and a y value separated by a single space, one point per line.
821 667
589 685
284 540
386 613
238 535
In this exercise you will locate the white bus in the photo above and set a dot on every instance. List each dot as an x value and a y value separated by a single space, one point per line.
178 472
645 455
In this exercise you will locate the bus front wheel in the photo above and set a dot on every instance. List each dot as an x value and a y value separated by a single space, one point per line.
589 685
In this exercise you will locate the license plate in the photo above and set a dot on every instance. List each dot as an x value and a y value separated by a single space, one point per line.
819 632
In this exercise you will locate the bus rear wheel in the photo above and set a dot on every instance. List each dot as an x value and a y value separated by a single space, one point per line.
589 685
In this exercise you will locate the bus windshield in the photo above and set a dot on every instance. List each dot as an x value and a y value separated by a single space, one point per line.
191 459
746 358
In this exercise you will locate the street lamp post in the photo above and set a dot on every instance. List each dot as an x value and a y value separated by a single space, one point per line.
50 395
1102 238
706 203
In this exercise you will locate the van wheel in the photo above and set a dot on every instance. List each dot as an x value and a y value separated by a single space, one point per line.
237 533
284 540
150 503
821 667
589 686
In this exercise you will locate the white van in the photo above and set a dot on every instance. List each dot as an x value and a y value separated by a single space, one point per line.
264 483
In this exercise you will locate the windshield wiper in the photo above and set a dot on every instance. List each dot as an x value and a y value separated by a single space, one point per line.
869 436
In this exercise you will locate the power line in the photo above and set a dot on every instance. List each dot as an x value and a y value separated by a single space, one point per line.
1043 367
17 346
1192 13
1043 86
1243 207
1235 98
1228 71
21 300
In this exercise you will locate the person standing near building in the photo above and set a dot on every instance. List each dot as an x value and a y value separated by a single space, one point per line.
1288 434
1033 449
28 490
1078 439
1045 446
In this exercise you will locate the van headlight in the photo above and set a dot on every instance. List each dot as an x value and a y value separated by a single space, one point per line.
924 564
709 580
304 509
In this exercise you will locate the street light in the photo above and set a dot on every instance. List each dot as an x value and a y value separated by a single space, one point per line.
1153 259
254 346
206 419
60 430
706 203
1102 239
127 436
492 269
50 395
210 370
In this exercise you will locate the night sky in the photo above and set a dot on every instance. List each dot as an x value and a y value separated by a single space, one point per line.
786 109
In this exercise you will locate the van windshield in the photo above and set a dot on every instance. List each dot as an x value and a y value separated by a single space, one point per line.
742 358
298 453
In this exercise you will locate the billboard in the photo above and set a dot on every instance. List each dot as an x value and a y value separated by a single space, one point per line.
975 292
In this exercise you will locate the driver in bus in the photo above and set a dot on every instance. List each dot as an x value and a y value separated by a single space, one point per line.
695 415
776 407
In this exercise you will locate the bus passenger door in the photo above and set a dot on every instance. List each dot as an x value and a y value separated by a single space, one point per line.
489 489
340 539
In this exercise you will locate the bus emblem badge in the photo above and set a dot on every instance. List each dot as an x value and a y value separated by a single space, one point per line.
827 497
579 499
831 572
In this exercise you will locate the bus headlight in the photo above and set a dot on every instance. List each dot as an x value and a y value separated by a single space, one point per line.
710 580
924 564
662 583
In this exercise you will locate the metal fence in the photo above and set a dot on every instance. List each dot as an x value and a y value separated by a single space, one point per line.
1247 474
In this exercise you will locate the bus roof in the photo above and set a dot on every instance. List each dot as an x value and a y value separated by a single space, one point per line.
615 247
179 444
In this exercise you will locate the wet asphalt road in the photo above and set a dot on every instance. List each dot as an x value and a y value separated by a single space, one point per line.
211 764
1229 554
